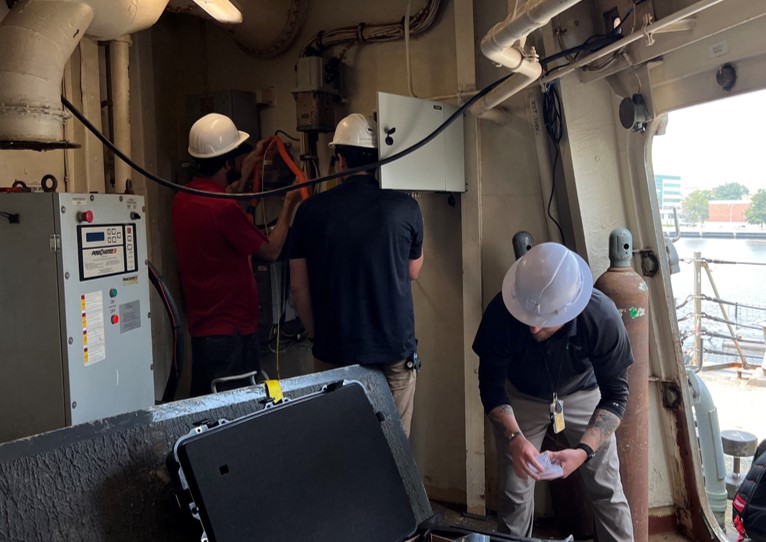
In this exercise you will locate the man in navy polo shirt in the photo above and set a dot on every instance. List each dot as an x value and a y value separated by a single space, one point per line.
215 241
553 352
353 252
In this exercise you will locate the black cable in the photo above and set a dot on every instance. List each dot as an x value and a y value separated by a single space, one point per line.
279 191
288 136
554 125
592 44
174 313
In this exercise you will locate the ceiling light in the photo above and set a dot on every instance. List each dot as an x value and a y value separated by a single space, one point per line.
222 11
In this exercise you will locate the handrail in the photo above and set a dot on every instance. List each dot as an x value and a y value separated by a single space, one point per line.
725 262
698 316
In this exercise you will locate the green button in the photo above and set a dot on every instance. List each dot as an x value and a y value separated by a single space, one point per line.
113 292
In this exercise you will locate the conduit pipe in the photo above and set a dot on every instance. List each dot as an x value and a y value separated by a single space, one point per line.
37 38
504 34
499 45
645 32
120 62
527 72
711 446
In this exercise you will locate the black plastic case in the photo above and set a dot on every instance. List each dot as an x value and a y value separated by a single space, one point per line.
316 468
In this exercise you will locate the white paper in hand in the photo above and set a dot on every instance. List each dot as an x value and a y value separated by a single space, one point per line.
550 471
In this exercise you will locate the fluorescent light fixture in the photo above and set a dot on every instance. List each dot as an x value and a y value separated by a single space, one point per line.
222 11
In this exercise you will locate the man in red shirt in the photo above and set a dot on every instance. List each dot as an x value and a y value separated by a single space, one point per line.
215 240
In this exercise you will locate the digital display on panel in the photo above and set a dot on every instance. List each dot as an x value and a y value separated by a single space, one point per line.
92 237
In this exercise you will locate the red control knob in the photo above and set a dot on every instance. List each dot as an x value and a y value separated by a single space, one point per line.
85 216
115 318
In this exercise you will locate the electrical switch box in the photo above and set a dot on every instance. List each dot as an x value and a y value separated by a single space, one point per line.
438 166
75 333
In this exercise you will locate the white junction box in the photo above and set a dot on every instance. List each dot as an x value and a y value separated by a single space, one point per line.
75 333
439 166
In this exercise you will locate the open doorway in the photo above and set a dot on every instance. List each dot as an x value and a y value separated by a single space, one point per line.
711 191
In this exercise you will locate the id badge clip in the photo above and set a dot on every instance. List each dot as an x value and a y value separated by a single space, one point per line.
557 414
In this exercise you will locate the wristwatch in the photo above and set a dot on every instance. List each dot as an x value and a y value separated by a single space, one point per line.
513 436
590 453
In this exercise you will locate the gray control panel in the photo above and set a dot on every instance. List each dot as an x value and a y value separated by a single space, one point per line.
76 335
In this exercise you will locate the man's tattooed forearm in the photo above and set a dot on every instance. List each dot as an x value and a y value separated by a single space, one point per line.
497 414
605 423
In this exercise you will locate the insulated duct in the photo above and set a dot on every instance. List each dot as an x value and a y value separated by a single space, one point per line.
267 29
37 38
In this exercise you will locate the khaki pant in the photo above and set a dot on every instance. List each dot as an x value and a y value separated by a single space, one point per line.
601 474
401 381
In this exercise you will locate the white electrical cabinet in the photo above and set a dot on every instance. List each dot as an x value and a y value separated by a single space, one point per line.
75 334
438 166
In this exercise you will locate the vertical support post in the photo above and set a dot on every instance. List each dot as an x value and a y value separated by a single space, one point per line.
698 310
90 89
120 54
470 217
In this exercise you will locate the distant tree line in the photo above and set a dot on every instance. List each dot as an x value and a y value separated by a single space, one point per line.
694 207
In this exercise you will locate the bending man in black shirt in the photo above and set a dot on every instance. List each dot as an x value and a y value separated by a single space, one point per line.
554 350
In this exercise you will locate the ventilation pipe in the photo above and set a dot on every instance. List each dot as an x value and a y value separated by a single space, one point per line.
37 38
501 46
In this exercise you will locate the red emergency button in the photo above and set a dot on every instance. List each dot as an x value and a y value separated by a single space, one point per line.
115 318
85 216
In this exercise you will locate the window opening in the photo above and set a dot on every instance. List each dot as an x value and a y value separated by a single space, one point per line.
708 172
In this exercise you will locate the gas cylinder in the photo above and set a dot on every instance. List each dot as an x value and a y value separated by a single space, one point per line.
630 293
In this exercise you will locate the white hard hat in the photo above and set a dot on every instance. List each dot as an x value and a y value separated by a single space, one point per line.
214 135
355 130
548 286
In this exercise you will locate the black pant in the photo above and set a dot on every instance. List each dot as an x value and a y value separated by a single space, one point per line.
215 356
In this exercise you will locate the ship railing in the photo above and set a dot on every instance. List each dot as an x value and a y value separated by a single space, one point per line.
749 352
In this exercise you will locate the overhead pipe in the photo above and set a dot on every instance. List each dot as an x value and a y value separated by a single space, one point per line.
527 71
536 13
631 296
119 51
498 115
645 32
37 38
500 46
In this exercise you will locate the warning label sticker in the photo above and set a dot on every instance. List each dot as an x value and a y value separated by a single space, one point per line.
130 316
93 339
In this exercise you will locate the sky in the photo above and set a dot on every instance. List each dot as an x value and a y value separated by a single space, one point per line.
711 144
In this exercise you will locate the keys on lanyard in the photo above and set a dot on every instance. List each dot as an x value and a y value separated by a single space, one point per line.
557 414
